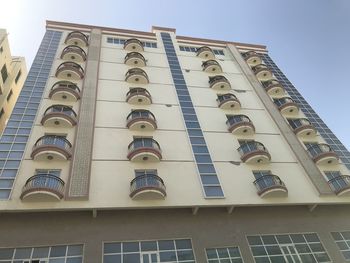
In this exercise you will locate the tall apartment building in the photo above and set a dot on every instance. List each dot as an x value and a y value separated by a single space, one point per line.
13 73
137 147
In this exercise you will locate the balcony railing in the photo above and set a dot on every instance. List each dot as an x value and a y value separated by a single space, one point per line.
252 58
273 87
228 101
76 38
322 153
144 117
269 184
219 82
67 68
211 66
147 183
52 144
286 105
133 44
41 183
262 72
61 112
249 54
145 148
240 122
205 52
137 75
66 110
254 151
340 185
65 89
138 96
73 51
302 126
135 59
258 68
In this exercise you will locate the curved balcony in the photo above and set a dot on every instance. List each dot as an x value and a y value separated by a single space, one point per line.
287 106
205 53
135 59
77 38
147 187
254 153
322 154
141 120
270 186
136 76
273 88
211 66
139 96
133 44
219 83
52 147
340 185
252 58
228 101
240 125
59 116
262 72
74 53
144 149
65 90
70 71
302 127
43 187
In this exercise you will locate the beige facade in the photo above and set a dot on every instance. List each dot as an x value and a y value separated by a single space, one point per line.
13 73
97 100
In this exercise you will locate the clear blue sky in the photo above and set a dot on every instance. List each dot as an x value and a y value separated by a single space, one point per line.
308 39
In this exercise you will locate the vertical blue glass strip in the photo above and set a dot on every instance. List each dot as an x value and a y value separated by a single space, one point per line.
321 127
206 169
15 136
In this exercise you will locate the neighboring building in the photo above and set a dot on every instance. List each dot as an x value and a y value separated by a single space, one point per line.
12 76
135 147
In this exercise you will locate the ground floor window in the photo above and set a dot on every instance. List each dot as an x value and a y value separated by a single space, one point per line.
54 254
288 248
226 255
150 251
343 242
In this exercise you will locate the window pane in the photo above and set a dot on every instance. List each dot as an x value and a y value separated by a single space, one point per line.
131 258
75 250
112 247
210 179
58 251
112 259
130 247
6 253
211 191
166 245
183 244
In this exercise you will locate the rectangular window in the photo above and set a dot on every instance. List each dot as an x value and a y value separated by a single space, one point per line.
227 254
119 41
4 74
2 113
18 76
61 253
174 251
9 95
290 248
194 50
1 49
145 172
55 172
